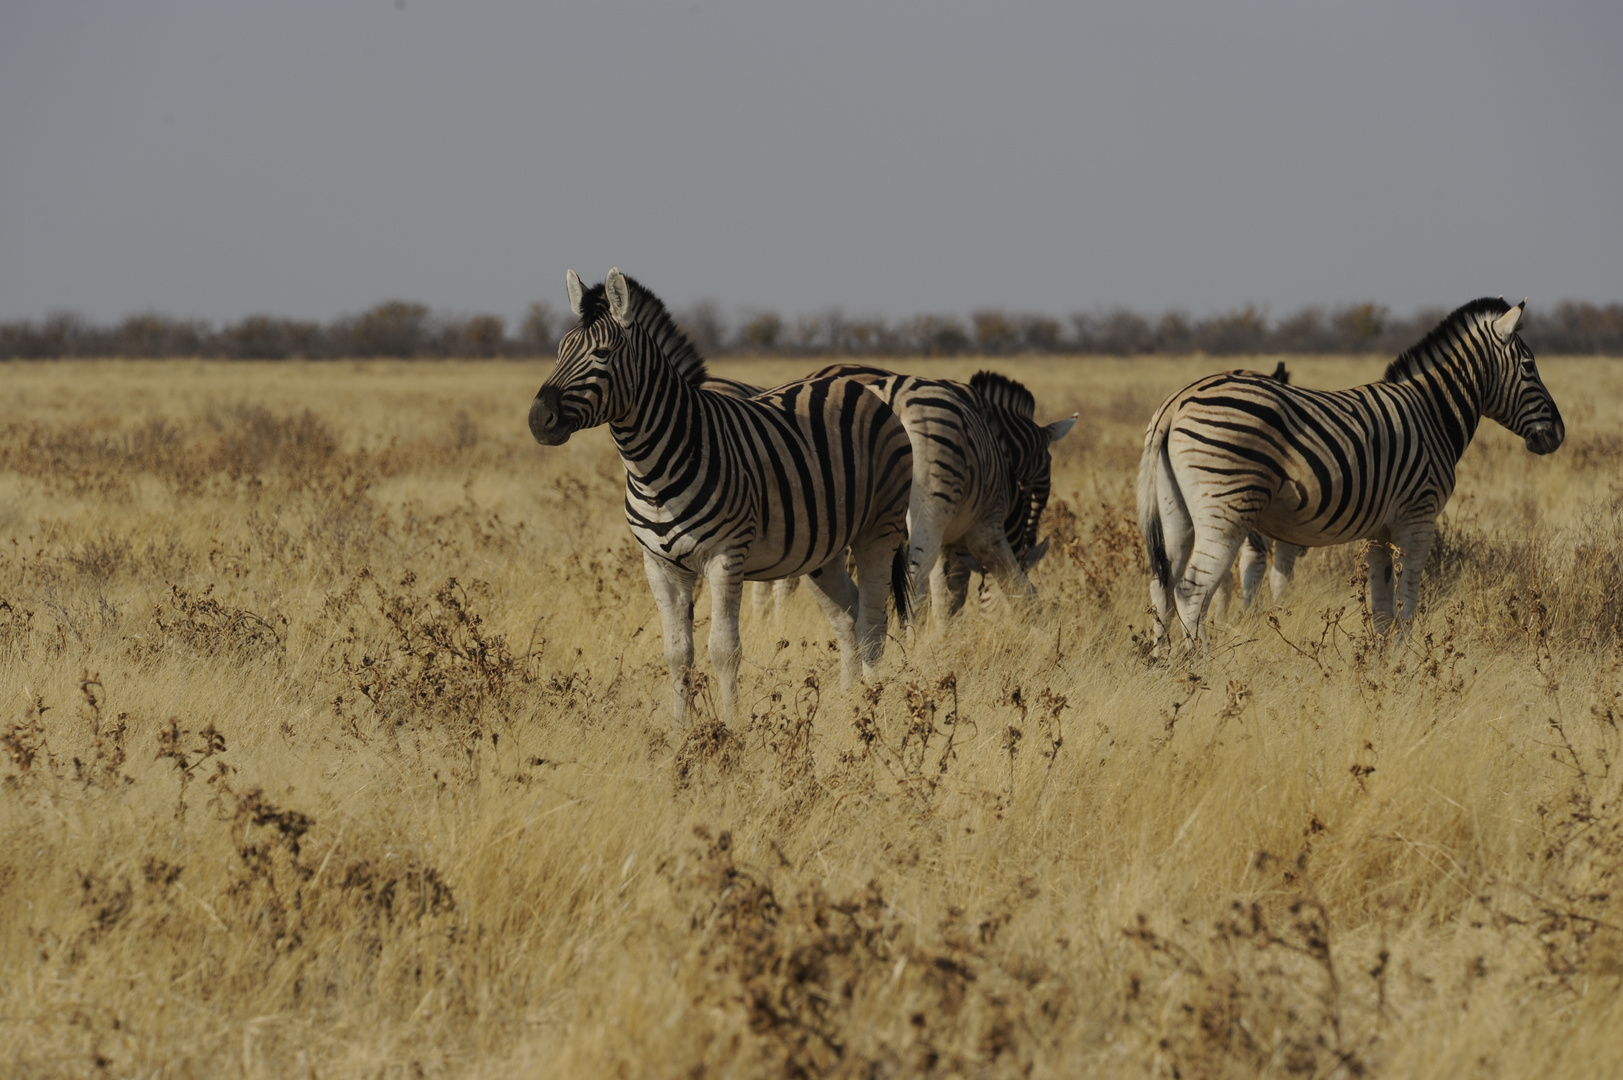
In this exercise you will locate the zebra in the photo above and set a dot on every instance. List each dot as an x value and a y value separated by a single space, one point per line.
734 489
1028 445
1312 468
980 478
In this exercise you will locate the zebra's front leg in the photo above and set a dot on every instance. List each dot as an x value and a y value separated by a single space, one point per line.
1253 564
673 594
836 594
1003 569
762 597
1413 546
874 562
1381 581
782 589
726 577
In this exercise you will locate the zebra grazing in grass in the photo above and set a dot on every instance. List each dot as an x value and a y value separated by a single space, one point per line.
1308 467
1026 445
980 478
734 489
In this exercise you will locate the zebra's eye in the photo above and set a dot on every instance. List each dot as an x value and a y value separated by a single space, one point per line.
601 354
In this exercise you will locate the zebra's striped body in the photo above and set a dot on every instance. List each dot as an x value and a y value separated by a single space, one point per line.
1240 450
980 477
733 489
1255 554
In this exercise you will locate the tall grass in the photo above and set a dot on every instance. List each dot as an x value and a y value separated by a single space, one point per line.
336 742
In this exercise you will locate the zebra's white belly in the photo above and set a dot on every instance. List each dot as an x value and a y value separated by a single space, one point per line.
1306 529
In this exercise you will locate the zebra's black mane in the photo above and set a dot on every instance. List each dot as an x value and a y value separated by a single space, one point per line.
1412 360
649 312
1004 393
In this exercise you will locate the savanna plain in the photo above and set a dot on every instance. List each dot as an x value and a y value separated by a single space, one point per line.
337 743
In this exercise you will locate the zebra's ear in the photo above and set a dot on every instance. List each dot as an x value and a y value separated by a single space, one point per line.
1060 428
1506 324
577 292
619 295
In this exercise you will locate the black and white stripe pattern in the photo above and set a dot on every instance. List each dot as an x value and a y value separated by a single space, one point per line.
980 477
734 489
1240 450
1257 551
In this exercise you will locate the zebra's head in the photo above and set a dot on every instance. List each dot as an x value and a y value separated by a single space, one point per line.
1026 445
578 393
1520 401
613 359
1032 484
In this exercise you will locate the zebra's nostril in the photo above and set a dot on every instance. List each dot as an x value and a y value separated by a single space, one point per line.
1544 440
546 419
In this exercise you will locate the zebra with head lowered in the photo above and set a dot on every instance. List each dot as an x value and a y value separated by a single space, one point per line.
1240 450
1012 411
734 489
980 477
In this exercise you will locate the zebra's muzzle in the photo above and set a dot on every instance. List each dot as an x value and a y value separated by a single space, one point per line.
547 421
1545 438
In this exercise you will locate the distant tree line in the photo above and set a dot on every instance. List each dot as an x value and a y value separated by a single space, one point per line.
394 329
407 330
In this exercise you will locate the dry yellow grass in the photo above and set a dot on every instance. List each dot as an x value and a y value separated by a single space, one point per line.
337 744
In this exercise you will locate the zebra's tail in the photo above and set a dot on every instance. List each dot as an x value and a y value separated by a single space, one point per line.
900 588
1154 473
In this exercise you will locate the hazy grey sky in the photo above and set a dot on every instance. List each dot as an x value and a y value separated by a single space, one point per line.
313 158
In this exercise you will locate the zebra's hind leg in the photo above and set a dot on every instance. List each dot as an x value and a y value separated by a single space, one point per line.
836 594
1177 540
726 592
1279 578
1161 600
1222 599
1253 563
1209 568
924 550
949 586
673 594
